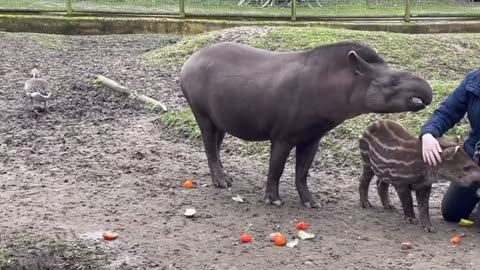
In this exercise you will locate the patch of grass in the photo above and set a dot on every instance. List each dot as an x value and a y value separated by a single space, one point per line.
5 258
173 56
182 122
442 58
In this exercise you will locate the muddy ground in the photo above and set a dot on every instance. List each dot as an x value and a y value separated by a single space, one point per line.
97 161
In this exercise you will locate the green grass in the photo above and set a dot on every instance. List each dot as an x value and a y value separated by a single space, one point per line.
212 7
442 58
4 258
173 56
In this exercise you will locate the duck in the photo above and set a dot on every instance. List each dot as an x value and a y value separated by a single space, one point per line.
37 89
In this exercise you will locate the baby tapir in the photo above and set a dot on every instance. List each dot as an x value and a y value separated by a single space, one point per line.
394 155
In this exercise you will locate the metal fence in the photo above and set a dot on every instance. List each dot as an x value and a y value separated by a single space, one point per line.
291 9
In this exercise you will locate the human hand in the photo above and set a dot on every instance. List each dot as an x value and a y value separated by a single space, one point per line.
431 150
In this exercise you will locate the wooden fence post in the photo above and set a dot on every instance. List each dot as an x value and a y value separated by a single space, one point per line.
182 9
294 10
408 6
69 7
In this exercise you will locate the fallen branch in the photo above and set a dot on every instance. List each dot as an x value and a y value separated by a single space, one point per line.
120 88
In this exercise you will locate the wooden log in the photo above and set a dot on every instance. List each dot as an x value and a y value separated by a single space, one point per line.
120 88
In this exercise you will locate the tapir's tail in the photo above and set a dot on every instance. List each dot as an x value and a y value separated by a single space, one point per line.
185 94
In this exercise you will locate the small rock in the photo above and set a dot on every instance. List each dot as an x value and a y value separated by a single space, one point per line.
308 263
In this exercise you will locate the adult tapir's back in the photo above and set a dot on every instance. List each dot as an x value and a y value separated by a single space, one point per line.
246 91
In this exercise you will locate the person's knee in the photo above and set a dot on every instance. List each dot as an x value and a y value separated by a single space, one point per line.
458 203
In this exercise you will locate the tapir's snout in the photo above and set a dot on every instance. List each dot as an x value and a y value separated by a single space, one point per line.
421 93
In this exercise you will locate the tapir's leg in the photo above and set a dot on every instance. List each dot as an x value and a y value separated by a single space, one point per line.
220 137
210 134
304 158
382 189
279 152
364 184
405 196
367 173
423 196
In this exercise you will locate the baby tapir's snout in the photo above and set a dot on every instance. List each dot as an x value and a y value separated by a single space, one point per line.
458 167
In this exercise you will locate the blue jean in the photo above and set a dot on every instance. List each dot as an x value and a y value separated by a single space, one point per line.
459 202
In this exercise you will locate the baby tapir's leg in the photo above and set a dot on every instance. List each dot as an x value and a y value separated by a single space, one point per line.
382 188
423 197
405 195
366 176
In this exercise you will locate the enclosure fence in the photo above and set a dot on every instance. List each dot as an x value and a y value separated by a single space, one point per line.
290 9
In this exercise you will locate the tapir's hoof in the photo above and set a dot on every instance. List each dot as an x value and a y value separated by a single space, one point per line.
276 202
222 183
389 206
365 204
429 228
272 200
312 204
411 220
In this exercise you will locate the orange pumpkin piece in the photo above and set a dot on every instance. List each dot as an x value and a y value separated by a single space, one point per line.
110 236
189 184
274 236
456 240
280 240
246 238
302 226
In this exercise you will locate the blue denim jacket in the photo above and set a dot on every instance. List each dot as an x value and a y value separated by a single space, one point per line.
464 99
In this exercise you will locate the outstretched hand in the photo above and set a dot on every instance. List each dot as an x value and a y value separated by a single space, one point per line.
431 150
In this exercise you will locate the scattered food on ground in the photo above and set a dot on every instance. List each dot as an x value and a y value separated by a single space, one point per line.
110 236
190 212
189 184
406 245
456 240
305 235
466 223
246 238
239 198
303 226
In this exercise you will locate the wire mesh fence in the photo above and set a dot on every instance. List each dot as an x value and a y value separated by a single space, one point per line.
445 7
258 8
235 7
127 6
350 8
22 5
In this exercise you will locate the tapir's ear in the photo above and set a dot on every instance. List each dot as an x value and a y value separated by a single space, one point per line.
357 65
449 153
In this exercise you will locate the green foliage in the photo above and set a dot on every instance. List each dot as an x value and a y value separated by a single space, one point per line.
173 56
4 258
183 122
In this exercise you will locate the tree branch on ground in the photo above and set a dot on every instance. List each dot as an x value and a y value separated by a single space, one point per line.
134 96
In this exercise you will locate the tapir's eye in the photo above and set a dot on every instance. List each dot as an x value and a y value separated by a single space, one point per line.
468 168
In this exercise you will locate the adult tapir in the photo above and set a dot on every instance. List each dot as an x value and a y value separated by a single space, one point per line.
291 99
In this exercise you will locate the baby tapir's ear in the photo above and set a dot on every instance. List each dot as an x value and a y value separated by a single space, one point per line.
449 152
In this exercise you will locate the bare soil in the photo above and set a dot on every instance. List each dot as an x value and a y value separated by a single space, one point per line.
98 162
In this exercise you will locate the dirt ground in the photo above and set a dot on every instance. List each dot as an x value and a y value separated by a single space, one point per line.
97 161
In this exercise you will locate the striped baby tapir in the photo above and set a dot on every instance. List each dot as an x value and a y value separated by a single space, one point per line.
394 156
